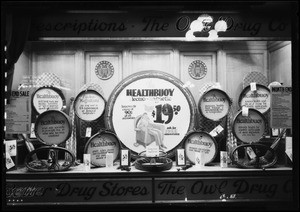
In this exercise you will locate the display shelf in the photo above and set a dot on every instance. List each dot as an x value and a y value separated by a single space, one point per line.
110 186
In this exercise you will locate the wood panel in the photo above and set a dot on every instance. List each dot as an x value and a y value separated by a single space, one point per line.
159 60
64 64
238 65
194 85
114 59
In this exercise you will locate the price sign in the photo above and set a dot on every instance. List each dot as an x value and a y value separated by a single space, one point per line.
167 110
150 108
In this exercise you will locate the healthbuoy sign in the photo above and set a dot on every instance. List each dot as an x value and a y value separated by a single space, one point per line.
150 109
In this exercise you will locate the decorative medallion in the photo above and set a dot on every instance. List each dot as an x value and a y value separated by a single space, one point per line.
104 70
197 69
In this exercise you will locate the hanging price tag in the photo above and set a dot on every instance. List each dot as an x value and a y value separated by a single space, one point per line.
32 133
275 131
245 111
88 132
253 86
216 131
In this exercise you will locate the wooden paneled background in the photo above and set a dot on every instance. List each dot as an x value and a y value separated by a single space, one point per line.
227 63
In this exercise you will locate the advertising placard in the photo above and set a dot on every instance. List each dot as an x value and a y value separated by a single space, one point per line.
200 142
100 145
281 107
89 105
52 127
214 104
17 116
47 98
249 128
150 108
258 99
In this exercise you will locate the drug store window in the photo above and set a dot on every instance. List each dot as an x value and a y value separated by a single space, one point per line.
150 104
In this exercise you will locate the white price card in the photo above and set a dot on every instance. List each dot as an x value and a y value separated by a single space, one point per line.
245 111
32 133
152 151
253 86
109 159
9 162
11 147
180 157
87 161
199 159
217 130
125 157
88 132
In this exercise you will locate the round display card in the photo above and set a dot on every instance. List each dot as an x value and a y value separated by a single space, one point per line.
249 128
99 145
200 142
47 98
150 108
214 104
258 99
52 127
89 105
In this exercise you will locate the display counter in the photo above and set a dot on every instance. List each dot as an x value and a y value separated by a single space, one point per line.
111 186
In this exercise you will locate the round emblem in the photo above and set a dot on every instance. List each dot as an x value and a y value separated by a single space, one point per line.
104 70
197 69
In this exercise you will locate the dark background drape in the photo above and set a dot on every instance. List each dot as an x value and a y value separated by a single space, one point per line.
17 31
